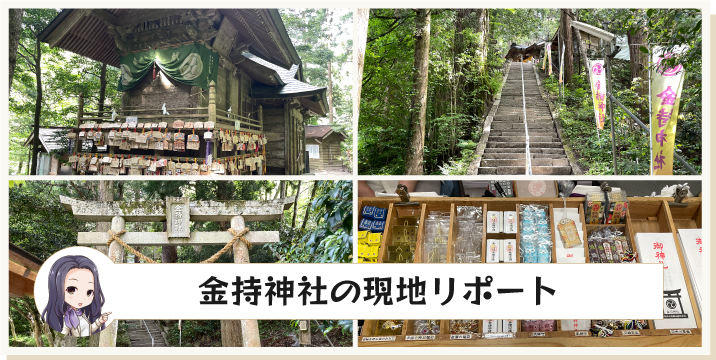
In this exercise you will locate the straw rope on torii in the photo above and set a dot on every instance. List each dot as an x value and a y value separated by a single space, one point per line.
237 236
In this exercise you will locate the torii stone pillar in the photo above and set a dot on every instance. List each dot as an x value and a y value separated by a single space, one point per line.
243 332
108 336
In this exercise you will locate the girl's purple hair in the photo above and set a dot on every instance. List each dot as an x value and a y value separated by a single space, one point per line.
56 307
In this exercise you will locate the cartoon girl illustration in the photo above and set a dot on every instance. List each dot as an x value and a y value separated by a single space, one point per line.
76 299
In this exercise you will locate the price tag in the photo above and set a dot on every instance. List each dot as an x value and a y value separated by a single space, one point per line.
419 337
631 332
498 335
581 333
538 334
461 337
237 125
378 338
680 332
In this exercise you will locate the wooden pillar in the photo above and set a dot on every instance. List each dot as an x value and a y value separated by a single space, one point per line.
80 114
286 139
212 102
236 333
108 336
304 335
261 119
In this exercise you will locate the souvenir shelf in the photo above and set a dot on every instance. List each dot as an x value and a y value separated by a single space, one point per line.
643 215
232 151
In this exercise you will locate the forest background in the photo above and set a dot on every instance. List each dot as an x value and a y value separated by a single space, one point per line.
462 51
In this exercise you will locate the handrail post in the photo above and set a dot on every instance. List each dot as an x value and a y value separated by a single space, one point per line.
611 110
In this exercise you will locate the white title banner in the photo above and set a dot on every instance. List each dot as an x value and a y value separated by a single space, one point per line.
373 291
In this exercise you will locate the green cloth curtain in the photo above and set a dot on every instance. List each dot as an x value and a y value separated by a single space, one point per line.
192 64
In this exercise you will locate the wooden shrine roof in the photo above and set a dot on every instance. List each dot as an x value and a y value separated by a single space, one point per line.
321 131
520 50
86 31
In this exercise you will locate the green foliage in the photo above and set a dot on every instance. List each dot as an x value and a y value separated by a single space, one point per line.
38 223
331 240
320 37
64 76
464 73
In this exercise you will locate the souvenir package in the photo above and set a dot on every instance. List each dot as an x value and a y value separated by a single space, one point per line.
535 234
494 250
426 327
509 222
389 328
468 244
614 324
509 326
610 245
464 326
494 222
437 229
404 238
606 210
539 325
491 326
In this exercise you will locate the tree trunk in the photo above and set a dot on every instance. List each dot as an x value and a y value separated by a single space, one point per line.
279 190
583 54
361 19
102 87
639 60
330 93
418 106
48 333
566 38
308 207
38 107
295 205
15 25
36 332
12 327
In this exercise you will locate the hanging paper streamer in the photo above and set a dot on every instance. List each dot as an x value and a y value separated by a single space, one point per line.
549 57
599 91
192 64
561 65
208 153
666 84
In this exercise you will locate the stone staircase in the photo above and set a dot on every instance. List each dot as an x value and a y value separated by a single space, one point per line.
139 336
505 151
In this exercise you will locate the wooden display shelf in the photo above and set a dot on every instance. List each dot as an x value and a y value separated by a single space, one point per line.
643 215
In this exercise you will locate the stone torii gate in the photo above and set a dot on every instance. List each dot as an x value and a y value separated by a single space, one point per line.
178 212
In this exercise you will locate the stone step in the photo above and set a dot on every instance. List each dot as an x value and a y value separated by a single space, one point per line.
551 170
522 162
517 132
492 144
496 150
521 126
503 162
538 145
503 155
533 138
503 170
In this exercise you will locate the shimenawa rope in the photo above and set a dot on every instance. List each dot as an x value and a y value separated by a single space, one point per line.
237 235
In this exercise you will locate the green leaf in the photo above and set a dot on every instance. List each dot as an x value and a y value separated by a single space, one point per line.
643 49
